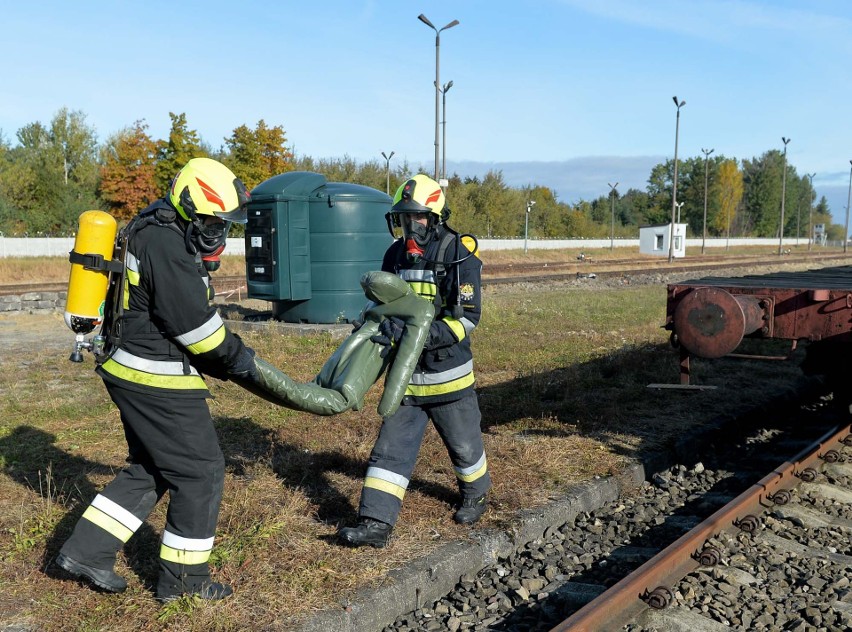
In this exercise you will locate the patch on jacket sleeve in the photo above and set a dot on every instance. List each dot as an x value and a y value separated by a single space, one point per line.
466 292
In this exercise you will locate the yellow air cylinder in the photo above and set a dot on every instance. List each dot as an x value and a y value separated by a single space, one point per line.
87 289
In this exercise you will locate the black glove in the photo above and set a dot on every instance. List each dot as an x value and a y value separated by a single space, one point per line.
390 332
244 365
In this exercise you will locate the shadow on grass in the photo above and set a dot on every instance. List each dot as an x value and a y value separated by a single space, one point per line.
244 442
609 395
32 460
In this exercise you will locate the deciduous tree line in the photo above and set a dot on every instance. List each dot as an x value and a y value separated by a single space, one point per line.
56 171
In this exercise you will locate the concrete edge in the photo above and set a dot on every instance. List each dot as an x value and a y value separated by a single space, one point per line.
425 580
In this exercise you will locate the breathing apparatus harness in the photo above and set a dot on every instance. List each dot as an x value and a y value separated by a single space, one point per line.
415 252
205 245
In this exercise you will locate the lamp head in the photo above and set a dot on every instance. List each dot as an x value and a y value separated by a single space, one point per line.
426 21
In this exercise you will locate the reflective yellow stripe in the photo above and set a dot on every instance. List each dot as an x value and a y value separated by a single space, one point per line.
182 382
210 342
469 478
107 523
125 294
182 556
440 389
456 327
424 289
385 486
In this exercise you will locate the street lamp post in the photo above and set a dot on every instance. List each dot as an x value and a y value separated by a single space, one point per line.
530 204
783 196
810 176
387 169
679 105
612 225
706 153
848 201
426 21
444 91
679 206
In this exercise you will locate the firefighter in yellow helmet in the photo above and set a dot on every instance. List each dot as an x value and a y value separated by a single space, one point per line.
437 264
166 336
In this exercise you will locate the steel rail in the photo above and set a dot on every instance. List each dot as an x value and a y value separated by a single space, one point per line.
625 600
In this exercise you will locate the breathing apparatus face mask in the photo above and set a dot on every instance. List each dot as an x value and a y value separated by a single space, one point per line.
210 240
416 233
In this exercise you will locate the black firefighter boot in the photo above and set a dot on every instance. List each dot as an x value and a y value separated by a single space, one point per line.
471 510
105 579
369 531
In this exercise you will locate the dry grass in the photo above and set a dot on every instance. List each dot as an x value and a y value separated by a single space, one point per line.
562 379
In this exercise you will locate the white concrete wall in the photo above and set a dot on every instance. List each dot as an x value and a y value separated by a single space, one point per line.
61 246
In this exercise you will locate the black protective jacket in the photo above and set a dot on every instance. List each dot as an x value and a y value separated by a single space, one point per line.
170 331
444 372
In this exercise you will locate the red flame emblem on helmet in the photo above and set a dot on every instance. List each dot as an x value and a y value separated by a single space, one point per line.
210 194
434 197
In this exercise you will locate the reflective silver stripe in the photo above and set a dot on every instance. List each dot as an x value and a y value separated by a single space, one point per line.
422 379
200 333
131 262
116 512
387 475
467 324
417 275
464 471
186 544
157 367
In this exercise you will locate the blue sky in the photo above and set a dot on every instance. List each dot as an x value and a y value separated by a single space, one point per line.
564 93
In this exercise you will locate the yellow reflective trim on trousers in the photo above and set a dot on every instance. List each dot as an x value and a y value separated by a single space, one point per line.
469 478
181 382
210 342
440 389
456 327
384 486
107 523
182 556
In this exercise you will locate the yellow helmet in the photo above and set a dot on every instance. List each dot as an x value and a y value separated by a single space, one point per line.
418 207
420 194
207 187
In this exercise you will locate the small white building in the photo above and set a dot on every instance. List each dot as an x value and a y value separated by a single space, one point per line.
654 240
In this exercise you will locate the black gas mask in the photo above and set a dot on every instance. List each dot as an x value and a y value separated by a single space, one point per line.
208 240
415 234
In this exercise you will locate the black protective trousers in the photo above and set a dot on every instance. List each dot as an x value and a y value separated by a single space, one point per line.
173 448
395 453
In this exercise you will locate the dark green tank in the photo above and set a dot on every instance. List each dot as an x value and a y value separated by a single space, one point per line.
308 241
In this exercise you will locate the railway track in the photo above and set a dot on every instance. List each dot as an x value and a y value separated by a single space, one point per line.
535 272
775 520
719 544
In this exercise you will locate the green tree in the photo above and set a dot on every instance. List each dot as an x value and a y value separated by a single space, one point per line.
128 181
259 154
52 174
762 194
183 145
